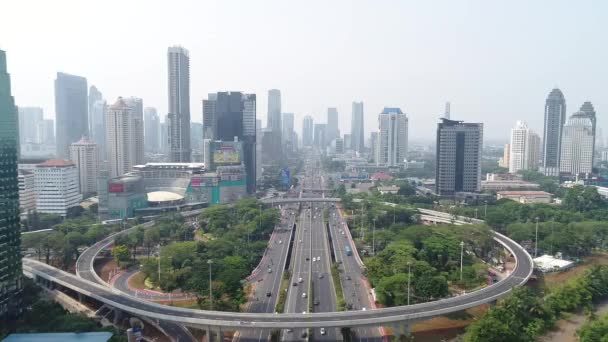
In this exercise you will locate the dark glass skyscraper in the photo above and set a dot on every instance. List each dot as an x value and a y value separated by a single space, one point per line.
71 111
232 115
10 235
555 117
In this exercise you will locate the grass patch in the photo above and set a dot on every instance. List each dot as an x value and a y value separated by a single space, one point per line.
138 281
186 304
282 293
340 302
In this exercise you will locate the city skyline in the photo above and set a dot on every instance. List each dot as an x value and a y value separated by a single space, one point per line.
419 84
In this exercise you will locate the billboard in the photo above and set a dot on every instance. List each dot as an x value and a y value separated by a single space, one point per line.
116 187
226 154
285 177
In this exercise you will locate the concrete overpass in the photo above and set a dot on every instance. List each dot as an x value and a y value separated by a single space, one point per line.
215 320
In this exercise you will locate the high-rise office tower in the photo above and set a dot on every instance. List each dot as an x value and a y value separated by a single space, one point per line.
523 149
47 132
307 131
71 111
10 231
288 133
94 96
234 117
209 116
589 111
458 165
347 142
97 113
85 155
506 156
274 110
555 117
29 121
333 130
179 104
137 111
321 136
121 137
577 145
196 141
357 130
164 136
392 137
151 130
258 148
374 148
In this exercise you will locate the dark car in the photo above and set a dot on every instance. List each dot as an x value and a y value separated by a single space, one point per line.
316 302
294 284
268 294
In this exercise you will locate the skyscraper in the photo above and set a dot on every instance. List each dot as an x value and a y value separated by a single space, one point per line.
209 116
234 117
151 130
307 131
274 110
523 149
458 165
374 147
29 121
71 111
85 155
333 130
137 112
47 132
97 113
555 117
288 133
589 111
10 234
179 104
121 137
320 136
392 137
94 96
357 131
577 145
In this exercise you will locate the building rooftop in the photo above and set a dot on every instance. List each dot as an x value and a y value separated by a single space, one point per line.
163 196
60 337
391 110
524 193
56 163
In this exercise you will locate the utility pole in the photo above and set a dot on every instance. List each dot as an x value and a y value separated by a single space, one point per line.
362 232
158 265
536 242
461 255
210 262
409 277
485 210
394 213
475 213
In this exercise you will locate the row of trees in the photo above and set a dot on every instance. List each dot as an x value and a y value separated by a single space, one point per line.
595 330
430 255
231 240
526 314
62 245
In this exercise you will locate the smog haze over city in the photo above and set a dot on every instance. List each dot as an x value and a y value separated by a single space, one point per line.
494 61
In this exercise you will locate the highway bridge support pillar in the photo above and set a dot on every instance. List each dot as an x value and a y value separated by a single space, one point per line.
493 303
402 329
208 334
117 316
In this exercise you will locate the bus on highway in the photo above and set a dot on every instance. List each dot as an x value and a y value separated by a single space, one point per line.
348 251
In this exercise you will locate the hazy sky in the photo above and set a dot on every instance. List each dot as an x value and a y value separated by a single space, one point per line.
495 61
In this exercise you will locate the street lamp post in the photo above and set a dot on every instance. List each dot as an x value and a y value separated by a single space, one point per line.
461 255
374 238
409 277
158 265
536 242
210 262
485 210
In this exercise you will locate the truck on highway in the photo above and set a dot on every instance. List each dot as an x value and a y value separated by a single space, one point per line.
348 251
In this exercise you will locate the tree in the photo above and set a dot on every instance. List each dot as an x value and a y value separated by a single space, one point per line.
121 254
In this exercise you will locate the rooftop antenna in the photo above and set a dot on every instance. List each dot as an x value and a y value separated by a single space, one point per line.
447 110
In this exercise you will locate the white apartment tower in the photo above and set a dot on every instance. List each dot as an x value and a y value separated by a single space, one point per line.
392 147
577 145
27 191
524 151
85 154
121 138
57 187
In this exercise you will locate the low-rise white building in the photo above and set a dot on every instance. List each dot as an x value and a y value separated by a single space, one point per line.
547 263
57 187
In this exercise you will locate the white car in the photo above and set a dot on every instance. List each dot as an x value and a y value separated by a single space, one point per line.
304 295
322 331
